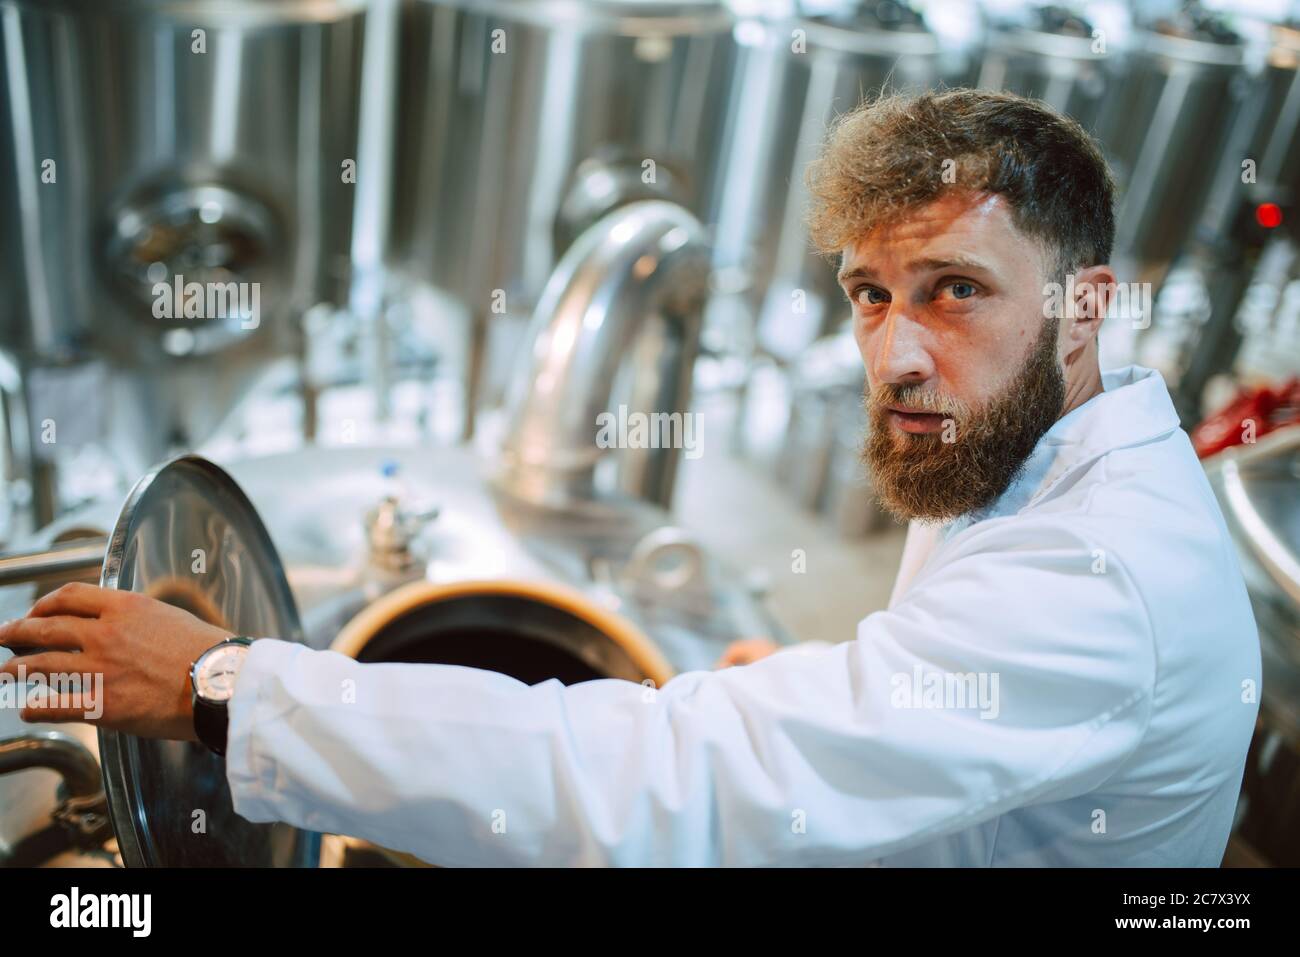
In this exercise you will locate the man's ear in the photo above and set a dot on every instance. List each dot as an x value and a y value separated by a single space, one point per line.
1094 293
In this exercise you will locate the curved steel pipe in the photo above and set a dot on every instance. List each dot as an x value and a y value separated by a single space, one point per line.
54 751
631 289
81 818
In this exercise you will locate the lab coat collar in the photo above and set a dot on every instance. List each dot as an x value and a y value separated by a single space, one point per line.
1134 407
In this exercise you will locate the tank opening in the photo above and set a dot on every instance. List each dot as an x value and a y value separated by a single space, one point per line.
526 639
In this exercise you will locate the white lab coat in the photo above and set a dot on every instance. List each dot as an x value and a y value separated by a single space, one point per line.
1098 601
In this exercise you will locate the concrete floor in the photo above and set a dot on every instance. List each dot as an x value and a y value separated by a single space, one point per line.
747 520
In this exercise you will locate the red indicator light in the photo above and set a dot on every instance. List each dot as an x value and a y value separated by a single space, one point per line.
1268 215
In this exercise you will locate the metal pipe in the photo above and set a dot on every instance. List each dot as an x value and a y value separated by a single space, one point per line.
15 448
638 276
78 560
54 751
81 818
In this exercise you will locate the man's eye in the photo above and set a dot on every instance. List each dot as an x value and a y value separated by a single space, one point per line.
961 290
870 296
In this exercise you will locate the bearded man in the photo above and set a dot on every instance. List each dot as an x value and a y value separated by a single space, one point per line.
1067 673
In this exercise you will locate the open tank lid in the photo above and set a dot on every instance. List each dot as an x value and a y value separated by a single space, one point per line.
188 535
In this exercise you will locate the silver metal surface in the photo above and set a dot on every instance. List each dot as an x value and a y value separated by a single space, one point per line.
668 557
797 76
608 550
1267 133
145 142
73 761
628 295
1168 130
1227 253
189 536
391 528
501 102
484 533
820 461
80 819
1053 58
260 117
15 454
1258 487
521 121
71 561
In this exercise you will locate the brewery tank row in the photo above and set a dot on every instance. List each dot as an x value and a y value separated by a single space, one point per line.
146 140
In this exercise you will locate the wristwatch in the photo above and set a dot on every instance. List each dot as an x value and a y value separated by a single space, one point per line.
212 679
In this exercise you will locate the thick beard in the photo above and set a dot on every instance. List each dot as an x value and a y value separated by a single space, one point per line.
924 478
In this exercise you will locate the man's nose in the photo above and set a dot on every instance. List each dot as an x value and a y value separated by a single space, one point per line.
900 355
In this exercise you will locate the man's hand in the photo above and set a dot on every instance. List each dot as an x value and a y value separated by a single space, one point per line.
141 647
746 650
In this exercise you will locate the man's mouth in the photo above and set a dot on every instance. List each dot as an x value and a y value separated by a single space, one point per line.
914 420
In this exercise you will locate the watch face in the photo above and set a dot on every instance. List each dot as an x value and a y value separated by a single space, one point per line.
214 675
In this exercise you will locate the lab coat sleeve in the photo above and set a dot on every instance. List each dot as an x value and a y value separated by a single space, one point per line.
837 755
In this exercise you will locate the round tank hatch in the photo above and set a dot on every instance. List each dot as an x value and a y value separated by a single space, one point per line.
189 536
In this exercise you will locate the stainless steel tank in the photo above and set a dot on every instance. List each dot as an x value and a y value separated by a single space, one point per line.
627 594
148 146
521 121
798 75
523 570
1058 57
1167 131
145 138
1257 487
1245 240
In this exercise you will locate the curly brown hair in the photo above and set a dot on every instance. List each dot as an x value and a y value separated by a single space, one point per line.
888 156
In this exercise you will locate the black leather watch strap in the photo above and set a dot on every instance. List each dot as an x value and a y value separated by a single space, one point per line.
212 725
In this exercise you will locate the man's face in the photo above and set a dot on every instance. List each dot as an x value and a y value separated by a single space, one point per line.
963 370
